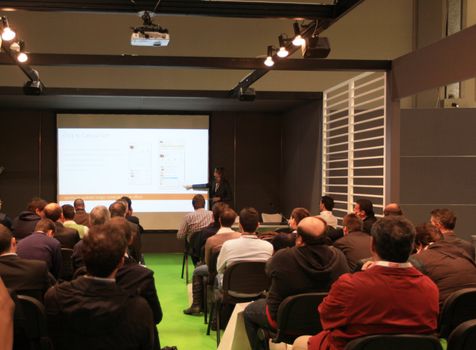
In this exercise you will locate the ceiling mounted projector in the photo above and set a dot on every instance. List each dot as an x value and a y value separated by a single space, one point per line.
149 34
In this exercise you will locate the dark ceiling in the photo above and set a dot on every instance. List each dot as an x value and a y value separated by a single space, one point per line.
322 10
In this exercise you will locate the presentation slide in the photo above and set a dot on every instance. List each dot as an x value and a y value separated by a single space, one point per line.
147 158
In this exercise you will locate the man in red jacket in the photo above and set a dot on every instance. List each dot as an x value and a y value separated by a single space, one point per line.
390 296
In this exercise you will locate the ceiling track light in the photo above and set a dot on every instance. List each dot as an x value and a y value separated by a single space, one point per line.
283 51
298 39
22 57
269 59
7 33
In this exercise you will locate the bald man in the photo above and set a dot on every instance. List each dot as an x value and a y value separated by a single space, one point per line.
310 266
68 237
392 209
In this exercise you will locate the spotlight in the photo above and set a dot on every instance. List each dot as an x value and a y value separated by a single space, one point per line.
298 39
283 52
19 47
269 59
7 34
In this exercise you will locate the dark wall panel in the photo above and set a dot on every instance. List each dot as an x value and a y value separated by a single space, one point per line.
438 164
301 173
28 153
248 145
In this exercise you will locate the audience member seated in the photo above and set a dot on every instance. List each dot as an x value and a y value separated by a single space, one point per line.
389 297
137 279
445 220
364 209
81 217
283 239
247 247
326 206
68 214
68 237
426 234
7 308
4 218
310 266
196 220
98 216
355 244
392 209
41 245
23 276
210 230
129 212
449 266
119 209
92 311
24 224
225 233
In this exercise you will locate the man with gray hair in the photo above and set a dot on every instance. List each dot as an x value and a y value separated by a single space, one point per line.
99 216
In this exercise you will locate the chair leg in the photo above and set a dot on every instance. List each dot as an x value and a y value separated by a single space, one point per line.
186 269
205 298
212 310
183 264
218 311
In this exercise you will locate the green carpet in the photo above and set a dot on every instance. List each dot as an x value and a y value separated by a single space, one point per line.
185 332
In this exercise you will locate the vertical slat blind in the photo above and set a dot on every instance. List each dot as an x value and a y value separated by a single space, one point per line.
353 142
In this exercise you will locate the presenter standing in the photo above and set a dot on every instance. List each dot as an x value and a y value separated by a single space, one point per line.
219 188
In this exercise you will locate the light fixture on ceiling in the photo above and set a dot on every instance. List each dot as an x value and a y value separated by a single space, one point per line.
282 52
269 58
19 48
298 39
7 33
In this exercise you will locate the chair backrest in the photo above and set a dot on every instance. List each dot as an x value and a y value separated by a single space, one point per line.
245 280
298 315
458 308
463 337
67 269
395 342
271 218
30 323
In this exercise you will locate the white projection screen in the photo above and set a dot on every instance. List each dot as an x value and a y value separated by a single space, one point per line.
148 158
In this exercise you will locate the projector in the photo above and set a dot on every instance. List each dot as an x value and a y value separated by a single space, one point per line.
316 47
150 38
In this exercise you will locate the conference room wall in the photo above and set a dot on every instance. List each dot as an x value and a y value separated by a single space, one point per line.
301 170
28 153
28 149
248 145
438 164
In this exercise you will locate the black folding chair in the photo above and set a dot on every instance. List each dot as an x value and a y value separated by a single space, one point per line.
463 337
30 329
187 252
458 308
243 281
208 282
395 342
67 270
298 315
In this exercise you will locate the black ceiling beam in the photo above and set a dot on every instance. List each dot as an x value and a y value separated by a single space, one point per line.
241 9
236 63
340 9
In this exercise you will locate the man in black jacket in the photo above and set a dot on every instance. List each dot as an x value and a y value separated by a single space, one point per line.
27 277
310 266
68 237
24 224
364 209
93 312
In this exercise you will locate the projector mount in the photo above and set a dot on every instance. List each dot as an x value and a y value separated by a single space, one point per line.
149 34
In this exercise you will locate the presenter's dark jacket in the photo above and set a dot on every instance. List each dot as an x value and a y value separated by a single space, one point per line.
91 314
26 277
223 190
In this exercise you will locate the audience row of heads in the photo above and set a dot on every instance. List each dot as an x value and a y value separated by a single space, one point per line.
98 215
103 248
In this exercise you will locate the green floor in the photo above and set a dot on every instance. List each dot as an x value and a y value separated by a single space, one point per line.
185 332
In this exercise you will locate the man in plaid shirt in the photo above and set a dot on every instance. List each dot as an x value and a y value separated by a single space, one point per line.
196 220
